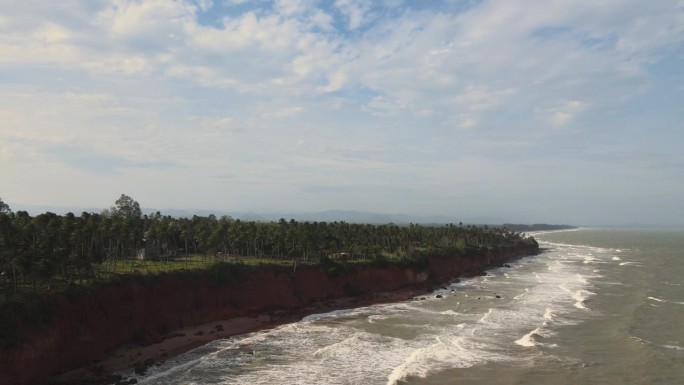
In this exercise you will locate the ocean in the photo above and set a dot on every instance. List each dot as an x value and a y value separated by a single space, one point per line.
598 306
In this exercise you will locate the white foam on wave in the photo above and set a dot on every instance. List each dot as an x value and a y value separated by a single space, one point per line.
555 266
414 365
457 352
664 300
521 296
342 346
549 314
629 264
484 317
565 288
336 347
418 308
449 312
376 317
528 339
189 360
674 347
317 352
580 296
331 314
616 258
641 340
178 367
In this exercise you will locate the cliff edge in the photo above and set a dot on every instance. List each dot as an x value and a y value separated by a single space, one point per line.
85 327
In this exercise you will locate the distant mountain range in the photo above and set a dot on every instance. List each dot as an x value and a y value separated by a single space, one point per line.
349 216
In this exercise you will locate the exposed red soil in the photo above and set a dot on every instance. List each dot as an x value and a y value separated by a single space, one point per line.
86 328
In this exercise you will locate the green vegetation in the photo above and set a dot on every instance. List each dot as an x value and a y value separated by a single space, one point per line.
50 252
70 254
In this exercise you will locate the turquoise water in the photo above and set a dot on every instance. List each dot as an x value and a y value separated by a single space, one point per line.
600 306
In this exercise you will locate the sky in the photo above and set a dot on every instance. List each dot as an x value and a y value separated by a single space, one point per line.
557 111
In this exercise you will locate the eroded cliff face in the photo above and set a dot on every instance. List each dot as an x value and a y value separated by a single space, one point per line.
85 328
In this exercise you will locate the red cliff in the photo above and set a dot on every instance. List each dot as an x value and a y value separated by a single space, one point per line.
86 327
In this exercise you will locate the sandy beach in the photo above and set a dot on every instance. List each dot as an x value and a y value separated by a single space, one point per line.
140 357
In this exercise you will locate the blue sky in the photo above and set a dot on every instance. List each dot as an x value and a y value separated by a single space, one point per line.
556 111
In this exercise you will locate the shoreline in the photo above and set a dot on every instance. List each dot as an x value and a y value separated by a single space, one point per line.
100 336
139 358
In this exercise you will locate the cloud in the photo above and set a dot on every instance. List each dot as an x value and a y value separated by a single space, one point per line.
205 5
481 98
147 25
292 7
432 85
466 121
354 10
285 112
383 106
564 113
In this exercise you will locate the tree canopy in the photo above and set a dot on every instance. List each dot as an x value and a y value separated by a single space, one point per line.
127 207
4 207
49 250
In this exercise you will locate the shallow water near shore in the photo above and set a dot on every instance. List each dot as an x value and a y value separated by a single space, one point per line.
598 307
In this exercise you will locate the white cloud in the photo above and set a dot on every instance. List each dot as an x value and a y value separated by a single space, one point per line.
292 7
564 113
466 122
383 106
120 79
354 10
236 2
285 112
481 98
322 20
336 81
147 20
205 5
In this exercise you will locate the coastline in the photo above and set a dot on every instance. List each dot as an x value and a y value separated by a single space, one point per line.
136 323
139 358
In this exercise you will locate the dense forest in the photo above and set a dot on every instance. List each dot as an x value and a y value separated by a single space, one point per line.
49 251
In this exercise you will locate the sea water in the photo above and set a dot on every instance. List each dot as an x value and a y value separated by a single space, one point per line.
598 306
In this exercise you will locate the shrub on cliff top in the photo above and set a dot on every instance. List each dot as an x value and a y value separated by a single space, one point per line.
227 273
334 268
417 261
